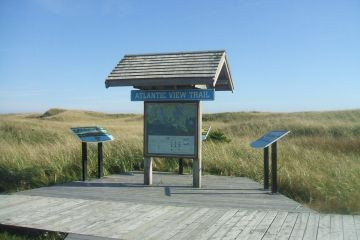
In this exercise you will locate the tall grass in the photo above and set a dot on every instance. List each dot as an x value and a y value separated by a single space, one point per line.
319 162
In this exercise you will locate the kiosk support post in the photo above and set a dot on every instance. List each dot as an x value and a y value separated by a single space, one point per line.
148 170
197 173
181 166
84 160
274 167
197 161
100 159
266 168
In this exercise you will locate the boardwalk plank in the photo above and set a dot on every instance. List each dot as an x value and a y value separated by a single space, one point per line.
15 213
288 226
249 230
205 224
74 218
143 230
114 214
240 225
357 225
168 230
275 226
84 218
181 226
228 214
119 207
324 227
349 227
15 209
61 211
228 225
39 212
194 227
119 227
218 191
9 201
137 220
299 227
54 220
263 226
73 236
312 227
336 228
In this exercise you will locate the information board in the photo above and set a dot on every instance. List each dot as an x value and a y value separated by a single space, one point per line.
269 138
171 129
92 134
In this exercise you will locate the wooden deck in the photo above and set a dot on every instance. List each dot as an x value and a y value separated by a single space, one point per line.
120 207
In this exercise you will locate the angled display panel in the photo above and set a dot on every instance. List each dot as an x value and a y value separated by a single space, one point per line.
92 134
269 138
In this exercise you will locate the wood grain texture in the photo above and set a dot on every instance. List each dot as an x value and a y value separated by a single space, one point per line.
121 207
176 190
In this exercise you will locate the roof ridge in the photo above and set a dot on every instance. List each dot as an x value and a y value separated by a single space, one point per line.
174 53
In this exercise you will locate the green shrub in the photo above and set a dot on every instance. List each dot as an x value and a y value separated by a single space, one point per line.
218 136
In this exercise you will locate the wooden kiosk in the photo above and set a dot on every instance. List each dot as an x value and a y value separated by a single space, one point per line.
172 86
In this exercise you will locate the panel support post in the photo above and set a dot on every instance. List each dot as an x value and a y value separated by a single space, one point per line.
274 167
266 168
148 170
100 160
197 173
197 161
181 166
84 160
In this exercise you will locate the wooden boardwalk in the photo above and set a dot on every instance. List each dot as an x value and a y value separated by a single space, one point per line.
120 207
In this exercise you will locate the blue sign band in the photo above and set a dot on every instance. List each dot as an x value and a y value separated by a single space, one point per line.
173 95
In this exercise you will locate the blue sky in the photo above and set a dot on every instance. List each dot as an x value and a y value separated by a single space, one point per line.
285 55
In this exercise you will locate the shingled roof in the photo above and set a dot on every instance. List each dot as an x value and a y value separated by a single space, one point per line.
208 69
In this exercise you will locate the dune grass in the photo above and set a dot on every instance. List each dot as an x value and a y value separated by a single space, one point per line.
19 235
319 162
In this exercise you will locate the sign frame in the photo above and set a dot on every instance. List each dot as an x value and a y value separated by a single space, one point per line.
196 132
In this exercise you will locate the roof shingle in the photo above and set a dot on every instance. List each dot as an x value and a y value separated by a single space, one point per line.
189 69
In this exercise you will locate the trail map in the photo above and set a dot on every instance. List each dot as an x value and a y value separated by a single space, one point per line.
171 128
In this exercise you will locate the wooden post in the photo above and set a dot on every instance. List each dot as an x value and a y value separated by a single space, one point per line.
84 160
266 168
197 173
197 161
274 167
100 160
181 166
148 170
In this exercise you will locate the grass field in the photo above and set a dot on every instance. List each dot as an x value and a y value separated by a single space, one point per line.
319 162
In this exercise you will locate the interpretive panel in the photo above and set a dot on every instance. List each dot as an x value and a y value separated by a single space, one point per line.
92 134
171 129
269 138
